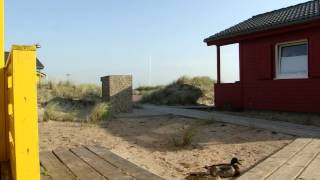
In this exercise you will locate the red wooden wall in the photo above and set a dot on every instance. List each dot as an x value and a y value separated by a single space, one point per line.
259 89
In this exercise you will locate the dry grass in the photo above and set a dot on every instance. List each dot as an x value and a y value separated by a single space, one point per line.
184 137
99 112
68 90
144 90
53 112
67 101
184 91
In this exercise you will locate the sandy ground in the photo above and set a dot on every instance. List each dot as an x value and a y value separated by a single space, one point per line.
148 142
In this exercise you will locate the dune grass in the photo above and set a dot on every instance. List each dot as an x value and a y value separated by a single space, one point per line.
184 91
144 90
68 90
184 137
99 112
68 101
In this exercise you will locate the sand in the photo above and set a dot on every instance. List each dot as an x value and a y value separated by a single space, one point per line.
148 142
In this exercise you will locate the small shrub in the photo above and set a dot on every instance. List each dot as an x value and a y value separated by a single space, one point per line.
188 135
48 113
185 137
46 116
100 112
52 113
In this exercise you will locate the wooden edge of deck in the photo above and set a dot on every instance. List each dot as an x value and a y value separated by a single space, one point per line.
275 161
53 167
100 165
123 164
298 163
312 171
77 166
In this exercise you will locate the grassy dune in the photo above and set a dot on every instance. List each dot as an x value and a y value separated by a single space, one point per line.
67 101
184 91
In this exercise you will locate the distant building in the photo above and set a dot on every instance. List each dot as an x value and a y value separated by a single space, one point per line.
40 66
279 60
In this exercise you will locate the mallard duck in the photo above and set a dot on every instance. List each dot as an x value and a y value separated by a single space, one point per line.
225 170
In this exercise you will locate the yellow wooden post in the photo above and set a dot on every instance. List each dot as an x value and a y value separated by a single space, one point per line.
22 113
3 131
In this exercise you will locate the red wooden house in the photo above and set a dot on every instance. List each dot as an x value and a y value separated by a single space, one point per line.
279 54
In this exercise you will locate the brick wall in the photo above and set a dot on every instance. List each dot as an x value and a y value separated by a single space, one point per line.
117 90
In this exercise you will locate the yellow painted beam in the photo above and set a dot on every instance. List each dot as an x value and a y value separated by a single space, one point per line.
22 113
3 135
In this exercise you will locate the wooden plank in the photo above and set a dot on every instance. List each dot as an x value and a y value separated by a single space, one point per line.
78 167
312 171
106 169
271 164
123 164
292 168
5 171
54 167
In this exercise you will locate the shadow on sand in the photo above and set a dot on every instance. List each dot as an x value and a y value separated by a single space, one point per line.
159 132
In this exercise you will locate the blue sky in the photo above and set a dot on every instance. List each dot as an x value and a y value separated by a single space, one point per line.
90 39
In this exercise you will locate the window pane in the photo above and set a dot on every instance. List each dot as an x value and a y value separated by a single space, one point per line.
295 50
294 65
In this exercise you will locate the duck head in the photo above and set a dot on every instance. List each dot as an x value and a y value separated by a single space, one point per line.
235 161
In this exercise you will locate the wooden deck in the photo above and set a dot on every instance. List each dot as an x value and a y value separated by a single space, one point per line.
89 163
299 160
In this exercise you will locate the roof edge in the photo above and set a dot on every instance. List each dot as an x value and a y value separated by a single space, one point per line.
264 28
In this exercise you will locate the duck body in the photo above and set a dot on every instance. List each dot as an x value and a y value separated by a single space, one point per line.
225 170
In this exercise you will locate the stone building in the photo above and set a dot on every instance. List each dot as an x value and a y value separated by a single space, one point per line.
117 90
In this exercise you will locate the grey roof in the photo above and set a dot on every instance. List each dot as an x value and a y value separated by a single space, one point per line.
296 14
40 66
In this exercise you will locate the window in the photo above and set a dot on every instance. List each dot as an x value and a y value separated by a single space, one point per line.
292 60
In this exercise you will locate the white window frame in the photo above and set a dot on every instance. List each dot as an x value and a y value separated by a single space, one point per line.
278 48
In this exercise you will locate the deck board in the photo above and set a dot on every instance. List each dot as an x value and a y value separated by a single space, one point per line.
80 169
271 164
90 163
294 166
54 167
299 160
312 171
123 164
106 169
